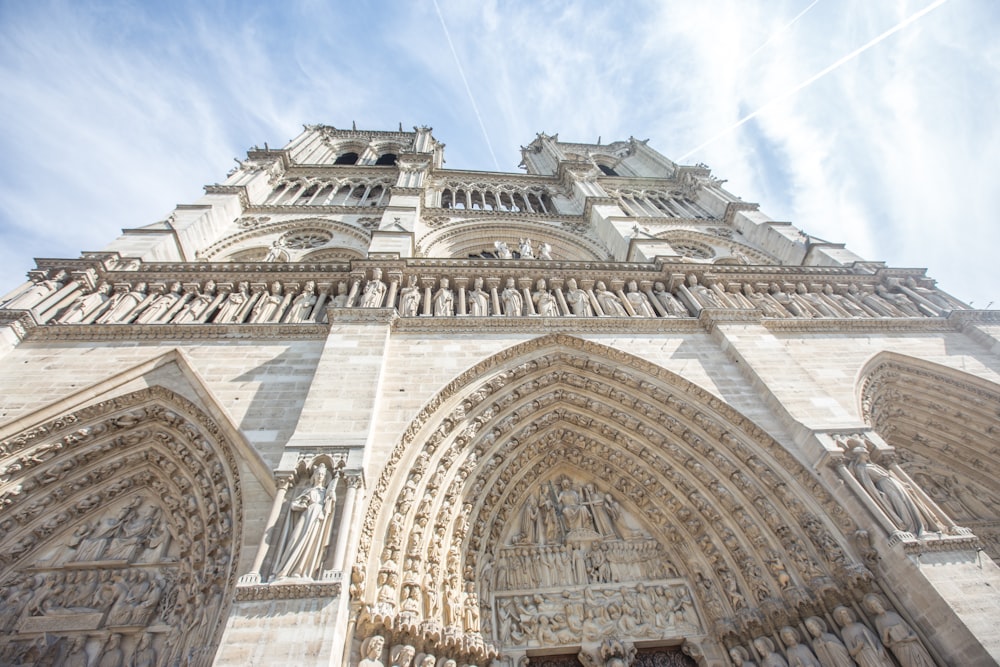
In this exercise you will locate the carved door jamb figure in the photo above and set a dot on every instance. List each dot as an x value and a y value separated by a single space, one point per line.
304 543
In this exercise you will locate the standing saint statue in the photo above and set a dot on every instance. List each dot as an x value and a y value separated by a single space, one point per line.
409 298
444 300
374 291
513 303
479 301
305 542
890 493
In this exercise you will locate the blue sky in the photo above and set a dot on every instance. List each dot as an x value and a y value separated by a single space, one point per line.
112 113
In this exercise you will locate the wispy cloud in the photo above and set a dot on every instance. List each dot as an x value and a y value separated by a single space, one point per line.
114 115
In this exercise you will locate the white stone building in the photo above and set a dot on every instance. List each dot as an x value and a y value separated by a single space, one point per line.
353 408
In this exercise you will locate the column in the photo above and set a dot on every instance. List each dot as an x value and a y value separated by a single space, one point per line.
284 483
350 498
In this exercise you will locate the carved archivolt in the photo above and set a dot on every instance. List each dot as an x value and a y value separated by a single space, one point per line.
119 534
461 238
731 520
342 233
944 425
739 253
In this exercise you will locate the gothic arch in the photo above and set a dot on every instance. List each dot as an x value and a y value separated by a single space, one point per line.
725 249
342 233
734 520
121 531
944 425
461 238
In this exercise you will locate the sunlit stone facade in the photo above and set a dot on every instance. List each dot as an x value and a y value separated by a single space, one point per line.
353 408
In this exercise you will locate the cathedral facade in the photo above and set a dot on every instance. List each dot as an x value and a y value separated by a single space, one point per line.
353 408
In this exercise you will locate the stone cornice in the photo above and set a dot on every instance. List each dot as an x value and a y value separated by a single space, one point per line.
732 208
178 332
318 589
463 213
536 325
257 209
860 324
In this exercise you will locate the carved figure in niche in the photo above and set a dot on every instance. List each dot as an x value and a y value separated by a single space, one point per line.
134 534
670 303
885 489
409 298
827 646
160 305
639 301
145 654
76 652
768 656
705 297
604 510
529 522
195 309
371 651
544 251
304 547
763 302
479 301
444 300
231 310
470 609
111 654
574 512
123 302
524 248
798 654
38 292
87 304
513 303
897 635
269 305
578 300
277 252
340 301
861 642
935 297
545 303
453 603
901 302
609 302
503 252
401 655
374 291
303 304
740 657
426 660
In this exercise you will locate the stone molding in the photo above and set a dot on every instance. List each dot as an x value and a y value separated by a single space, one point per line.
312 590
179 332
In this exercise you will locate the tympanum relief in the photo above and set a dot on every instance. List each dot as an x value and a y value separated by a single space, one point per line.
575 567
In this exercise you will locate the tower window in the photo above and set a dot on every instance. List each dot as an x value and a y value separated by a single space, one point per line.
347 158
386 159
608 171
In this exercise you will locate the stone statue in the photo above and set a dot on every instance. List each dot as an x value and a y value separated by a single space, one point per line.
111 654
545 251
524 249
269 306
861 642
195 309
479 301
503 252
887 491
768 656
409 298
231 310
86 304
705 297
145 655
374 291
578 300
312 513
827 646
371 651
670 303
401 655
444 300
513 303
545 303
609 301
897 635
38 292
639 301
123 302
303 304
340 300
798 654
740 657
277 252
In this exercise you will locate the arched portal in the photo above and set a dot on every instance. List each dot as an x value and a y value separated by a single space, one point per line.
562 493
945 427
121 524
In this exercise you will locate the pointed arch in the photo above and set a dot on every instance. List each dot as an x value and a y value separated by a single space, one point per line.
342 233
122 524
677 459
945 425
461 238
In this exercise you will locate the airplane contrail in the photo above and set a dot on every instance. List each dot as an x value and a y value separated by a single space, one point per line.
815 77
468 90
777 32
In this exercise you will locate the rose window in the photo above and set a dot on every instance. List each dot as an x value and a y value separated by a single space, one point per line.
305 240
693 250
